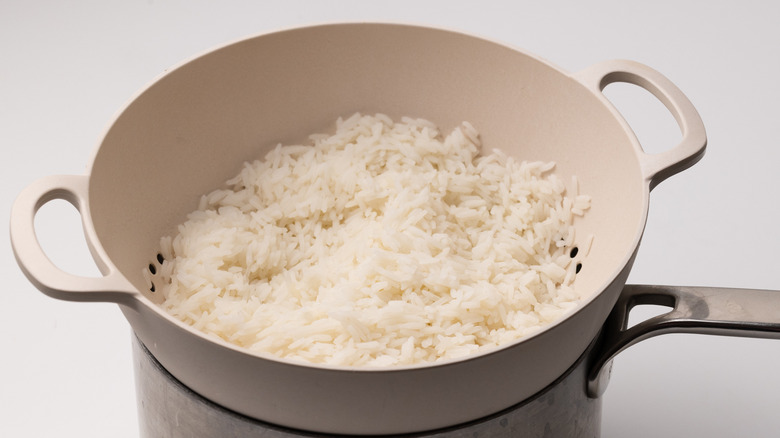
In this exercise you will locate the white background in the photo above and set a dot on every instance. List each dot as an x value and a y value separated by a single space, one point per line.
67 67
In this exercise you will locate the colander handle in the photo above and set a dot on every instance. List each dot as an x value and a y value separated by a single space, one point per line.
750 313
48 278
655 167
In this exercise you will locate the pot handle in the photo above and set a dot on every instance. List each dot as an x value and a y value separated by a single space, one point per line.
38 268
704 310
655 167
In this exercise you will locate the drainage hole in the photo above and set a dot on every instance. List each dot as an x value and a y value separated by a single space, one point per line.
573 252
152 269
151 289
578 268
160 258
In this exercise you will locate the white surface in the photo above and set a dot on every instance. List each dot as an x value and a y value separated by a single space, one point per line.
67 67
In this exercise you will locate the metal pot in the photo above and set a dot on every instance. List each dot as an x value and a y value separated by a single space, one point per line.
166 408
193 127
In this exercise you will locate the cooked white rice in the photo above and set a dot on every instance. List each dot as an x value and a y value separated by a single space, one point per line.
382 244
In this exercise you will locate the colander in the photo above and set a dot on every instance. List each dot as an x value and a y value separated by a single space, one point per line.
194 126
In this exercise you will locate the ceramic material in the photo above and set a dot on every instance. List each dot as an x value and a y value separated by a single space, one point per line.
192 128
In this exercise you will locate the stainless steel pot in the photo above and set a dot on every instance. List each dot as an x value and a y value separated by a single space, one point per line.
166 408
193 127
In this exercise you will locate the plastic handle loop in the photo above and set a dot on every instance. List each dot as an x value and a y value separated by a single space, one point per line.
655 167
48 278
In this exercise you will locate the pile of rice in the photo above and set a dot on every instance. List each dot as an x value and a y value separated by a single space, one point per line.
382 244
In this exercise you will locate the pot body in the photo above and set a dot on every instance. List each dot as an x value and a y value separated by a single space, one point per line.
168 408
194 127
